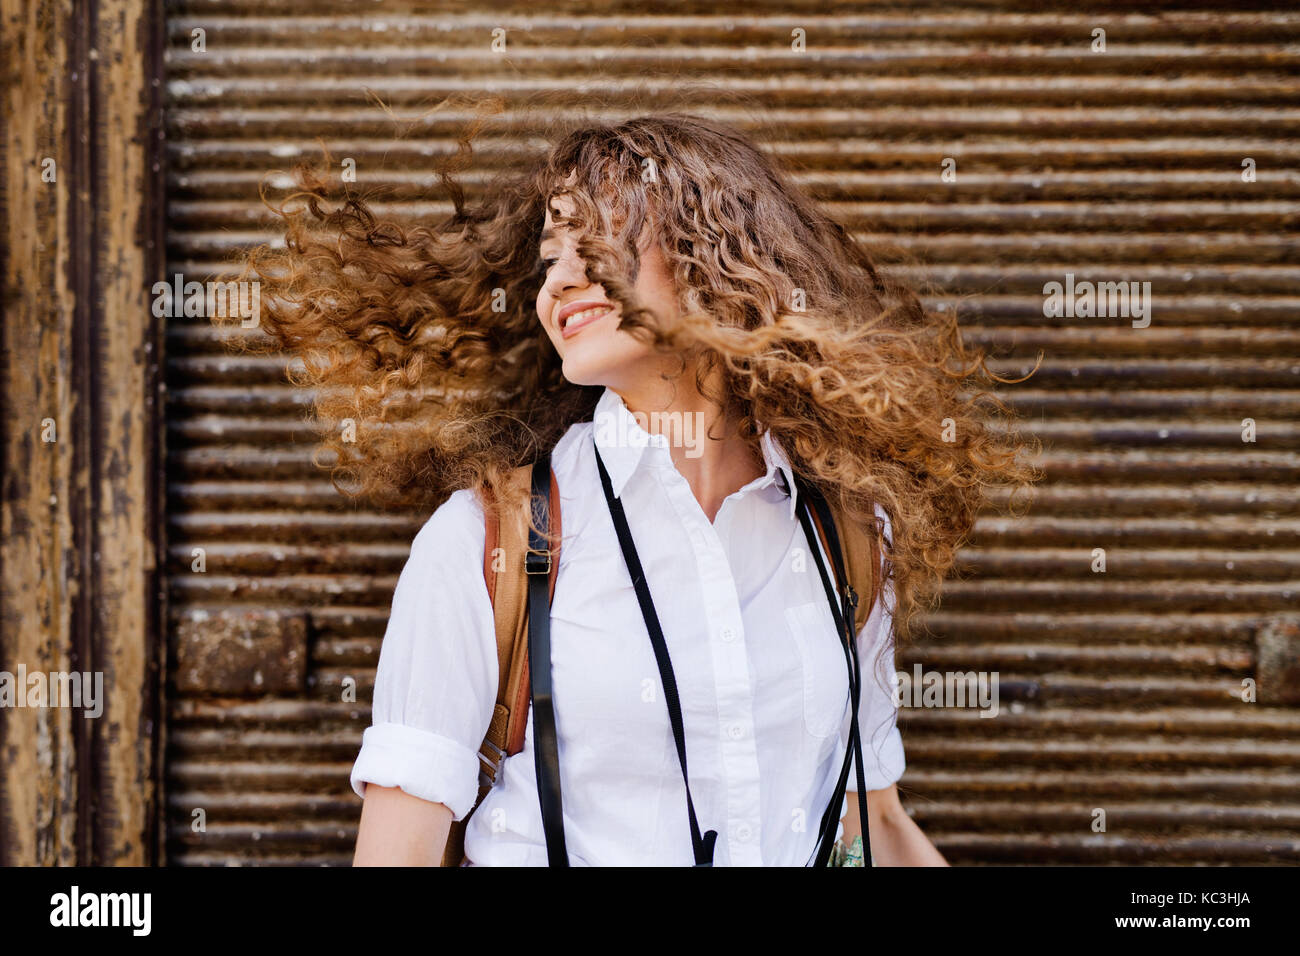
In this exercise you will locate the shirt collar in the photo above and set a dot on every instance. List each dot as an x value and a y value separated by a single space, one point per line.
778 465
623 443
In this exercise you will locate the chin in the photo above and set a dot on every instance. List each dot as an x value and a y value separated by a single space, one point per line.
579 372
604 362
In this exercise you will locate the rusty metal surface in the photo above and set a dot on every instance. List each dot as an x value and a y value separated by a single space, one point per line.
79 557
1121 690
240 653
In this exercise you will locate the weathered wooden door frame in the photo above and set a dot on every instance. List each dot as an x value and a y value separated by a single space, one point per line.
82 558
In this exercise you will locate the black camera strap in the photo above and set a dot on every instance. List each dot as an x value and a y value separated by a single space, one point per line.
845 622
702 844
546 752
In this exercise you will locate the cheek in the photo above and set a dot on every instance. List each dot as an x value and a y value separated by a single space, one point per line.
655 285
542 308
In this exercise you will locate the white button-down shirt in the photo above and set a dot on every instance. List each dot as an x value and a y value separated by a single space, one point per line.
761 673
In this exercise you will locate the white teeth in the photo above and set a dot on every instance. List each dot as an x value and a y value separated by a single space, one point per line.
584 314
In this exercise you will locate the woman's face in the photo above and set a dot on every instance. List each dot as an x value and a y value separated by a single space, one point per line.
582 321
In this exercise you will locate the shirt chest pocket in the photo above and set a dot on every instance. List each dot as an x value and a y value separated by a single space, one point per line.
823 666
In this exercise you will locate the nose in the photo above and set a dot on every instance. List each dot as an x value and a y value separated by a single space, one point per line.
569 272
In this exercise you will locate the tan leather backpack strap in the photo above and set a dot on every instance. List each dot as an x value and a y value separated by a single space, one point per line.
504 547
491 539
520 690
508 588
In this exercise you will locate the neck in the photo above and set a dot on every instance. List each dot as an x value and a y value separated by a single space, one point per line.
703 443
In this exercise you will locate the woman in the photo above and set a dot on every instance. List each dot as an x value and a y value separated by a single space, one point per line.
655 298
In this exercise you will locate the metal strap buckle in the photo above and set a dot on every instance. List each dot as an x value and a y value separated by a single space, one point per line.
534 563
851 595
490 763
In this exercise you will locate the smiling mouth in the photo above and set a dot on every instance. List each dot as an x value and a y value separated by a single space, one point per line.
571 324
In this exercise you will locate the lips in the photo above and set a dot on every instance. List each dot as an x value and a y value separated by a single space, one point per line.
577 315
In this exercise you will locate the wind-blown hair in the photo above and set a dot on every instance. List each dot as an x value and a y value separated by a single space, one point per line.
427 337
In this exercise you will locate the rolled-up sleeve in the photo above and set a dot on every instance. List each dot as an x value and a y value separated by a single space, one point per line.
436 683
882 743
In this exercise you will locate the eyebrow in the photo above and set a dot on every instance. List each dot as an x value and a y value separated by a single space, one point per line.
546 234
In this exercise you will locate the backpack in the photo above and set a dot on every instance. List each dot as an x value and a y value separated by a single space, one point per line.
506 547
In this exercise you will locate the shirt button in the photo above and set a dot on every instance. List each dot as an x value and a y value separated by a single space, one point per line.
735 731
743 832
728 635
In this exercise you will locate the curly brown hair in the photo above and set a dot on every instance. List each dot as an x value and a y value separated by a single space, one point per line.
425 341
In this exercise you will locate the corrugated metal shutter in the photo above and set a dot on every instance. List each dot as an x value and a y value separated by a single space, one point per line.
1120 690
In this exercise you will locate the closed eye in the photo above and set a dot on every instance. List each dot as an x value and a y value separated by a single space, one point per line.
543 265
